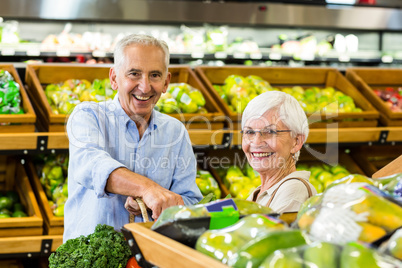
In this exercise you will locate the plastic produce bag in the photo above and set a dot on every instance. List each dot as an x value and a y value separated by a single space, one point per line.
392 185
393 246
223 243
186 223
329 255
10 97
350 212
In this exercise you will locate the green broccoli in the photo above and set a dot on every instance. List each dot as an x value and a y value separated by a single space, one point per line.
103 248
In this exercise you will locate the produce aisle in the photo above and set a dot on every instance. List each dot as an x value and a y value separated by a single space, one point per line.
361 149
242 43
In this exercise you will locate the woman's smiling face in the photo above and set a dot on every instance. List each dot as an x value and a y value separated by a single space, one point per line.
140 80
270 153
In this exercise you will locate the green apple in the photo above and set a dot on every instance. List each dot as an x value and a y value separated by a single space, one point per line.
197 97
283 259
324 176
317 185
170 106
356 255
322 254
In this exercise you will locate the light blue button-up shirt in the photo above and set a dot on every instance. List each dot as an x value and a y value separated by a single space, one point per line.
102 138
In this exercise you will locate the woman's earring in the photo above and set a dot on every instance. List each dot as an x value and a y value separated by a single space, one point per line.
293 156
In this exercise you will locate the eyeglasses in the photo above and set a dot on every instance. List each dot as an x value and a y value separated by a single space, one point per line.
265 134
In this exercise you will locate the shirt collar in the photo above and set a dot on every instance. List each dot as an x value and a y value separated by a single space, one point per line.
120 112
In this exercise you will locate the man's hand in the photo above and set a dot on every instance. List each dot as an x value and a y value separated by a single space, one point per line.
158 199
132 206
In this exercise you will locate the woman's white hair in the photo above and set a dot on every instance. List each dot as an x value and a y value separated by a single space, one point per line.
287 108
138 39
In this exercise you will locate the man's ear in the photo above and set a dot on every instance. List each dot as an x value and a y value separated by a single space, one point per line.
112 77
167 81
298 143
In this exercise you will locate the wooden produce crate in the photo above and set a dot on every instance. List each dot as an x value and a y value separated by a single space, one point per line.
164 252
368 79
11 263
395 167
222 187
281 77
212 120
13 177
373 158
52 224
326 156
223 159
10 123
38 76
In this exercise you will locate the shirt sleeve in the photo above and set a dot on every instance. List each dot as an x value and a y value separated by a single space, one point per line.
184 174
89 164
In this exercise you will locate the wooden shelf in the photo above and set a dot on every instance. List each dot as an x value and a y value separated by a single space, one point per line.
380 135
29 246
38 142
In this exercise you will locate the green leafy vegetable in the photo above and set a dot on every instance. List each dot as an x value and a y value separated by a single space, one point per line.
105 248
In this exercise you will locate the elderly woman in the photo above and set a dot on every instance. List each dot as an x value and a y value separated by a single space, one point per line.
274 129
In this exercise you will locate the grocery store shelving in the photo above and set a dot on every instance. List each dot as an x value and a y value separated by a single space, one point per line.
29 246
44 142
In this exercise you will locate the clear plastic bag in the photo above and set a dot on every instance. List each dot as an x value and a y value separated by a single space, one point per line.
350 212
329 255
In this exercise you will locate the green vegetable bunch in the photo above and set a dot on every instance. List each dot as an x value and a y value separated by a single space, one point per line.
104 248
10 98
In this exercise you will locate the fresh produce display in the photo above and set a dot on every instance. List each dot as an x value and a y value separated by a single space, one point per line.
393 246
349 212
253 253
10 97
10 205
212 242
207 184
328 255
174 213
241 184
237 91
391 185
53 177
104 248
64 96
181 98
392 97
323 175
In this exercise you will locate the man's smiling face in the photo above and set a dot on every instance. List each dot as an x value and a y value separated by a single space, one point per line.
140 80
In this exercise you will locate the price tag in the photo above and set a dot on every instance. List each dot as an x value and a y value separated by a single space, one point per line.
387 59
275 56
256 56
239 55
99 53
33 52
8 52
197 55
221 55
344 58
63 52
